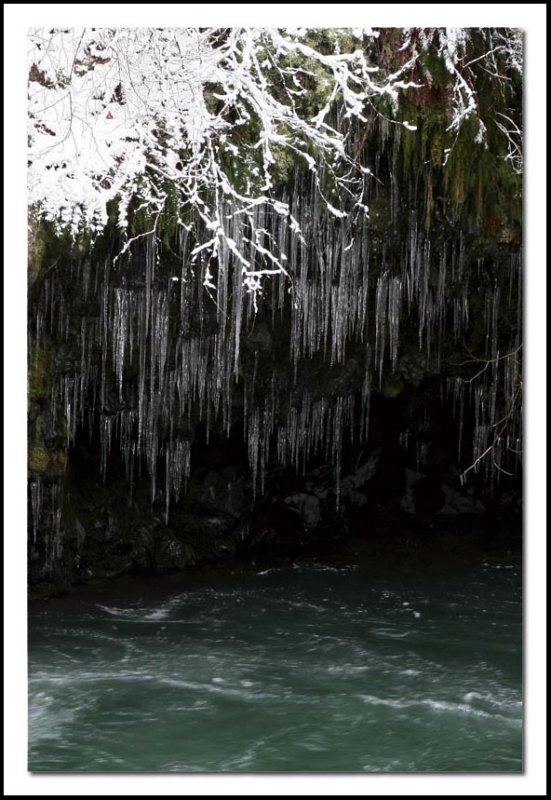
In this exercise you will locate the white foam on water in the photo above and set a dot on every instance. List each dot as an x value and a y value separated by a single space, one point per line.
48 719
115 612
434 705
305 604
325 568
144 613
209 688
493 701
470 696
158 614
347 669
390 633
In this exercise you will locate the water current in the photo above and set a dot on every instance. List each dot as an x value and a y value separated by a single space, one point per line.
385 659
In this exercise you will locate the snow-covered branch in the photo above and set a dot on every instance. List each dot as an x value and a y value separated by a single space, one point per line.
196 120
126 117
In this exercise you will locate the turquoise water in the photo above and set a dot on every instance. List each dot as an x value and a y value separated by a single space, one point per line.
393 660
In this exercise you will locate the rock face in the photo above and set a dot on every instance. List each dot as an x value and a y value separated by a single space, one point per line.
102 533
171 424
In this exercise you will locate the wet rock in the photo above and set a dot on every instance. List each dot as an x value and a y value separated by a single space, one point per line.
217 526
172 554
407 501
427 497
219 491
142 558
459 503
226 549
354 486
235 496
80 533
413 367
308 506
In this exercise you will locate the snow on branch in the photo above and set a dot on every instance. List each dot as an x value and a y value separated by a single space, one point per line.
465 53
126 118
122 116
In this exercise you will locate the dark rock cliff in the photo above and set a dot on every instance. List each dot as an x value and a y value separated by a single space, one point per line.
377 385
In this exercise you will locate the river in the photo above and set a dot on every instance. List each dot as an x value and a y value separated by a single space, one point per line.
383 659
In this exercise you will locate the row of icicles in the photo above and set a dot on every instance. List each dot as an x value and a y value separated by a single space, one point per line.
151 351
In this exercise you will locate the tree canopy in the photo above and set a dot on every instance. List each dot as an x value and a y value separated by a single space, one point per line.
132 123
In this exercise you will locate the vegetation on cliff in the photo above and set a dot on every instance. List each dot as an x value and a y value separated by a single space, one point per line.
265 229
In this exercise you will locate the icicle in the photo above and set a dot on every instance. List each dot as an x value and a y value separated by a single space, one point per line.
36 505
160 349
381 309
253 439
394 310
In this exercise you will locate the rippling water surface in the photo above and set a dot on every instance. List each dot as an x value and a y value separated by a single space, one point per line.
390 661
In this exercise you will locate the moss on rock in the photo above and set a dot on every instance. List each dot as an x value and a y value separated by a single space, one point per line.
46 462
39 375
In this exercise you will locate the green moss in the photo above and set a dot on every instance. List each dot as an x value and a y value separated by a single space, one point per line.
432 67
36 246
167 224
285 164
484 189
38 459
49 463
39 376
